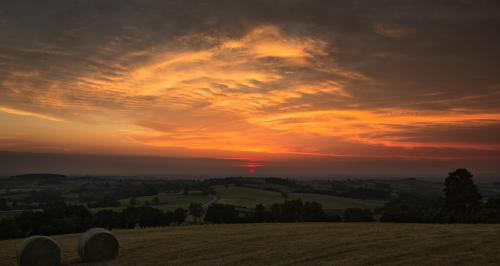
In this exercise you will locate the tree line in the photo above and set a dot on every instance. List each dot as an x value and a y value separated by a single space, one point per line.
64 219
460 203
60 218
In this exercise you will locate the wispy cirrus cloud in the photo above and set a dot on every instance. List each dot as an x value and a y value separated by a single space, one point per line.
26 113
391 30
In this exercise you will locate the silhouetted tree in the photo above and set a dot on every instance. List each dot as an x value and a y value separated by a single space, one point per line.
30 221
220 213
276 211
54 210
150 190
10 229
332 218
313 212
260 215
490 213
167 218
60 226
3 205
80 216
292 211
132 201
462 199
107 219
196 210
129 217
403 209
358 215
180 215
284 195
434 211
155 201
150 217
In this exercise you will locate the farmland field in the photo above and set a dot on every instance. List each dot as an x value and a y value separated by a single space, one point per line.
29 192
249 197
298 244
170 201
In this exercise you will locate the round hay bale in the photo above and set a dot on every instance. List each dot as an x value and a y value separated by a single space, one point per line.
98 244
39 251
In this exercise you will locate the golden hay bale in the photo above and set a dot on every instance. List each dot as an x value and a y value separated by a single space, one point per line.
39 251
98 244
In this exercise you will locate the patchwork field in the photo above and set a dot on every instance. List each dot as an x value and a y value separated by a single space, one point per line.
243 193
170 201
296 244
249 197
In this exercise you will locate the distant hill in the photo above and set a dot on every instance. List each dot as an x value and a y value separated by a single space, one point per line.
41 177
295 244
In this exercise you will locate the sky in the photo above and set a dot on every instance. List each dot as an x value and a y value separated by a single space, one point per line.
290 87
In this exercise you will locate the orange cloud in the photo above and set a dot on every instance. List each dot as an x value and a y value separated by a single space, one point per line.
264 92
391 30
27 113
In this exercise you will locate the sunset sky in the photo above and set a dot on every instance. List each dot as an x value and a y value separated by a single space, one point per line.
282 87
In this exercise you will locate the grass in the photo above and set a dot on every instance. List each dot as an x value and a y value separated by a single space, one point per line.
249 197
245 196
296 244
9 214
335 203
168 202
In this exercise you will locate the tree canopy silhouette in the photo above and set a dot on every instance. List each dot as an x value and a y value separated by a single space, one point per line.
196 210
462 199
